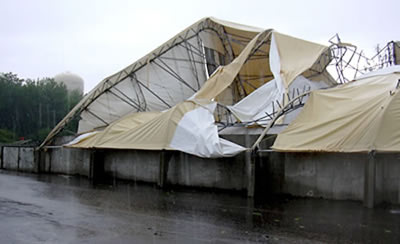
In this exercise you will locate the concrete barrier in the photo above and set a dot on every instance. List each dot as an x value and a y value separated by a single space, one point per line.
144 165
222 173
372 178
1 157
19 158
183 169
27 159
327 175
387 180
11 158
132 165
66 161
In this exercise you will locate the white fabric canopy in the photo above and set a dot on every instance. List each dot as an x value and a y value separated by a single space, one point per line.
188 127
360 116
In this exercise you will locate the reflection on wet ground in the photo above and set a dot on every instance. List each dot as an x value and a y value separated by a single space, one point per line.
65 209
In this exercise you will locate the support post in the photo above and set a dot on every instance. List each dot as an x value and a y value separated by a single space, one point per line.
50 160
369 181
18 158
250 158
36 160
163 168
91 165
1 157
43 161
98 175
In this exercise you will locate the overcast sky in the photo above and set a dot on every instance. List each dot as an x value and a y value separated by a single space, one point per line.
95 39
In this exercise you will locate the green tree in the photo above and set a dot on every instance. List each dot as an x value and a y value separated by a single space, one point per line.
29 108
6 136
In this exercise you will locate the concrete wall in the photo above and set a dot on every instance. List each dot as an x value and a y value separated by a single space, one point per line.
270 173
19 158
27 159
326 175
137 165
222 173
388 178
335 175
66 161
183 169
10 158
132 165
54 160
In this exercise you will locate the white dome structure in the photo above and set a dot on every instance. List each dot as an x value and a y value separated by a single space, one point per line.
72 81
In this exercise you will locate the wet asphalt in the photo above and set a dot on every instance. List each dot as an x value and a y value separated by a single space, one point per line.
66 209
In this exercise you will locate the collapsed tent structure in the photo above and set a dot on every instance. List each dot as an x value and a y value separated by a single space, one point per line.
218 80
360 116
212 72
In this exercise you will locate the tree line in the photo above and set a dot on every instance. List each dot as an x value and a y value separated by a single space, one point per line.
29 109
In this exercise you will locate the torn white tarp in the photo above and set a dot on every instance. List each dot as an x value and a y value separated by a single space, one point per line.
263 101
197 134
